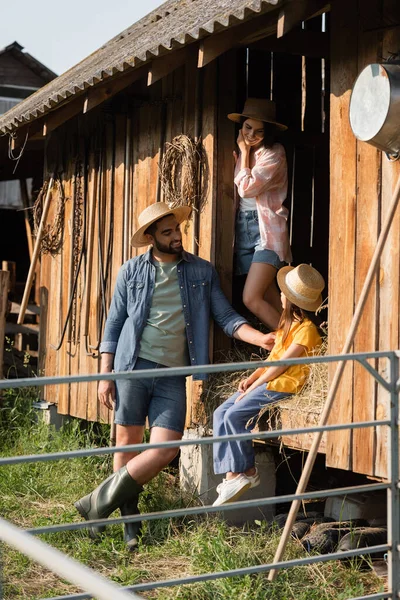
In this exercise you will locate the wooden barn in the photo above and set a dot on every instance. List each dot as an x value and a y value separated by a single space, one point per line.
103 126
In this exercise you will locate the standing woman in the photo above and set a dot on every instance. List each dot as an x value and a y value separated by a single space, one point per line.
261 235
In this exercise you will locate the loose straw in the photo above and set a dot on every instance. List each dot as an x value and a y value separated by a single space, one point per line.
305 476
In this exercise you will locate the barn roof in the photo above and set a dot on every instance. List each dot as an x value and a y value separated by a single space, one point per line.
174 24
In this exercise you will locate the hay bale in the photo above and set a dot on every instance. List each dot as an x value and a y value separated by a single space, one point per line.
310 399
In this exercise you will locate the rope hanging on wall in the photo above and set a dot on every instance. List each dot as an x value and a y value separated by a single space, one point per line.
181 172
51 242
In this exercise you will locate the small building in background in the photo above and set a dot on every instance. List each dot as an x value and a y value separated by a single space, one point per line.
20 76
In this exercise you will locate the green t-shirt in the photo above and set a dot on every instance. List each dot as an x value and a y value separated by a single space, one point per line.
164 336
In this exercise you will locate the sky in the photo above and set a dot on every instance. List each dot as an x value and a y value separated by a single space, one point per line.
60 34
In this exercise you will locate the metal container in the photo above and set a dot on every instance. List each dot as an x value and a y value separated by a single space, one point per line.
375 107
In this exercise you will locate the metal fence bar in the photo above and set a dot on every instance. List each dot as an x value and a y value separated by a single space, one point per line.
393 492
200 510
255 569
25 542
261 435
61 564
185 371
373 596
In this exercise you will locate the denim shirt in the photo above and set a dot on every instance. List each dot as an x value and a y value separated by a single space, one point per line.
201 297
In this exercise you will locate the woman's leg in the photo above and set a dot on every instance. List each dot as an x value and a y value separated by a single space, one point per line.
260 279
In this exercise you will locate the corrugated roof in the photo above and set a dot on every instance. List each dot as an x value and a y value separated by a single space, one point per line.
173 25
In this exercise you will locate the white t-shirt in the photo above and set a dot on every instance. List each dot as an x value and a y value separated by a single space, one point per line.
248 204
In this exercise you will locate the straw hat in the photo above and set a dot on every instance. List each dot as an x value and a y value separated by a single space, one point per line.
153 213
260 109
302 285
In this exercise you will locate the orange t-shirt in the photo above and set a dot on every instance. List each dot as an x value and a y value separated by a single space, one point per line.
305 334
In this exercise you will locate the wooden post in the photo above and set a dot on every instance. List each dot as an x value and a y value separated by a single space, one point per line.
369 280
26 204
35 255
4 283
11 267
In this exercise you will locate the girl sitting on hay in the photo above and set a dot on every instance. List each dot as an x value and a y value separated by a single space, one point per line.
297 336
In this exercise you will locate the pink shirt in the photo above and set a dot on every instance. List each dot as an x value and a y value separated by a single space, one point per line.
267 182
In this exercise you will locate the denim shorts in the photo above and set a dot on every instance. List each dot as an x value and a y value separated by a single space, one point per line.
248 247
161 399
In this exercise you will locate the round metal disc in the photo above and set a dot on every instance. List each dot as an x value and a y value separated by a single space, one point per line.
369 103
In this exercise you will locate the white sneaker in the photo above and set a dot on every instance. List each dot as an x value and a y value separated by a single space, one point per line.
254 479
230 490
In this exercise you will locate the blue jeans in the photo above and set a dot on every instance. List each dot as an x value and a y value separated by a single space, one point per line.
161 399
231 419
248 246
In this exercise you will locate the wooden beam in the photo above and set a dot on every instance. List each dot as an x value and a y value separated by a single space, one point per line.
100 94
81 103
215 45
296 11
314 44
162 66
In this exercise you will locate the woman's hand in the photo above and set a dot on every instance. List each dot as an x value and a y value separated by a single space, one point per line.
106 393
244 384
241 142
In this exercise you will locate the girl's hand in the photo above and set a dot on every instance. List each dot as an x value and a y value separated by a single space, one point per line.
241 142
243 385
239 398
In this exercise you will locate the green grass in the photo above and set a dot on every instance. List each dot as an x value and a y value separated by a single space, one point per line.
40 494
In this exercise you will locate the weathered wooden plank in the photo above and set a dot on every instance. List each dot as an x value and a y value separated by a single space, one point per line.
367 229
225 209
62 287
4 283
389 279
108 228
342 218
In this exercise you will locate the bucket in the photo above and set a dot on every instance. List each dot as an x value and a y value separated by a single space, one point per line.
375 107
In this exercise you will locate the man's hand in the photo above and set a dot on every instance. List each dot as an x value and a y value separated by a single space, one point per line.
106 393
267 341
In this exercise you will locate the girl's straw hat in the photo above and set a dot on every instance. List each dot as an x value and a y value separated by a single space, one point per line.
259 109
153 213
302 285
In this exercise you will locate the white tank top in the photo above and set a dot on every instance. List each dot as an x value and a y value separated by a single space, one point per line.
248 204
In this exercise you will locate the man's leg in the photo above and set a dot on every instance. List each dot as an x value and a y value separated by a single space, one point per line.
146 465
126 435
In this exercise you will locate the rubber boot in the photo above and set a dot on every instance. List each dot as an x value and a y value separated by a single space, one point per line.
107 497
131 530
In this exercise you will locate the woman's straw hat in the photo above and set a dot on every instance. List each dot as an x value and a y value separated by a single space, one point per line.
259 109
302 285
153 213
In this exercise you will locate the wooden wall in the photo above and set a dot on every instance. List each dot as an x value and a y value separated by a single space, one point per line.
362 181
109 171
108 162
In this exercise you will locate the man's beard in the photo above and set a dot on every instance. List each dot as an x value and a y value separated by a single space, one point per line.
167 249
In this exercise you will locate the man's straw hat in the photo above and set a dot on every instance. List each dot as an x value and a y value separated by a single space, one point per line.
153 213
302 285
259 109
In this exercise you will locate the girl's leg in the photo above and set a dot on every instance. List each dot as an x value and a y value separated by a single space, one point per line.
231 419
260 279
